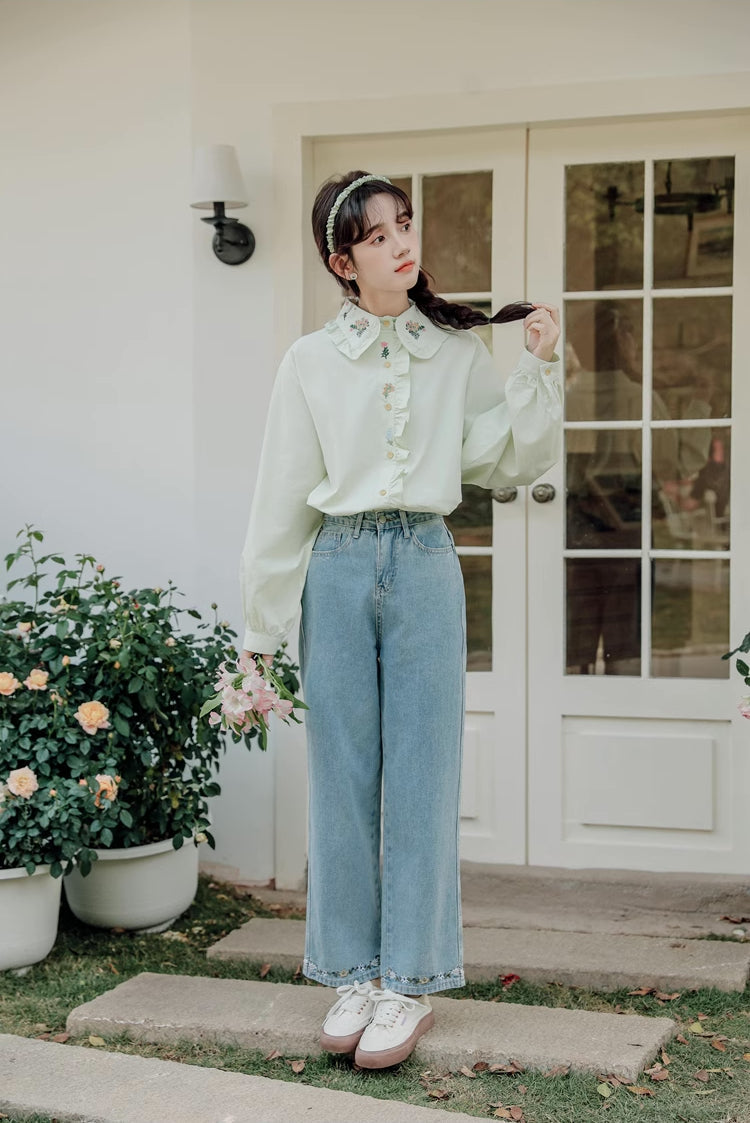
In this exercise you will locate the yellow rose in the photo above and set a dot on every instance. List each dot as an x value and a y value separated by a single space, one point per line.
37 679
24 626
8 683
65 660
22 782
92 716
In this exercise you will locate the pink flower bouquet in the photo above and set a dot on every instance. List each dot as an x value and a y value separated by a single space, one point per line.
247 695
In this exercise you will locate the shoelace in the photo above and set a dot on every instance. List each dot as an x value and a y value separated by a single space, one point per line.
348 992
388 1006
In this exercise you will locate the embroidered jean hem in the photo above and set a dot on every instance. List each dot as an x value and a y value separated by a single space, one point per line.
390 979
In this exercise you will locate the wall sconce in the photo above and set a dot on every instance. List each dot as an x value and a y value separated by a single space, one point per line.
217 184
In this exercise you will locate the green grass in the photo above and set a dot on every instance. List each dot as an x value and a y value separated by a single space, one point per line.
86 962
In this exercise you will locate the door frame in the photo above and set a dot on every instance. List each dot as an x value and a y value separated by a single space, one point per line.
295 127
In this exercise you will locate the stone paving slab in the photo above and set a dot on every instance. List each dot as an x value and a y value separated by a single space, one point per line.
262 1015
72 1084
628 902
586 959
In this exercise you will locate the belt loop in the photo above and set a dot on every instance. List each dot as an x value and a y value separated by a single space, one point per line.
358 524
404 523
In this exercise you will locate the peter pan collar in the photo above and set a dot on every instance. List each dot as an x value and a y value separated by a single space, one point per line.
354 329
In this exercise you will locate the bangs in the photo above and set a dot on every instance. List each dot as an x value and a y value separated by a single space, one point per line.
355 226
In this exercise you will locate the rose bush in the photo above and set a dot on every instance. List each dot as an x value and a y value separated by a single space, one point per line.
99 681
744 670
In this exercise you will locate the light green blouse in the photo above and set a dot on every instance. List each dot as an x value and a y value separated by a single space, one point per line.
377 413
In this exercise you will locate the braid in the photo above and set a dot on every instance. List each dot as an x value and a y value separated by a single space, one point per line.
460 316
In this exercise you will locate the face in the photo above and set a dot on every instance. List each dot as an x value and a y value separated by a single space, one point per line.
391 244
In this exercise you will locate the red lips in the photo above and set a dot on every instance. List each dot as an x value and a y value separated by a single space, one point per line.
406 265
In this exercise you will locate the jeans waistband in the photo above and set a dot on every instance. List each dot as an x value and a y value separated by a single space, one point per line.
370 520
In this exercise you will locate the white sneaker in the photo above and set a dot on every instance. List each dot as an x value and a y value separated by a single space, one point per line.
397 1024
346 1020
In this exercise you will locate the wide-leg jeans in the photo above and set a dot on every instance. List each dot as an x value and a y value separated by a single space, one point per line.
382 647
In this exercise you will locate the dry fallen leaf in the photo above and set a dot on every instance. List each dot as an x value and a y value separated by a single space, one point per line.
718 1044
264 970
667 997
96 1041
604 1090
696 1027
736 919
467 1072
682 1040
273 1055
502 1113
746 1056
639 1090
61 1038
665 1058
113 969
522 1089
517 1113
558 1070
662 1074
641 991
297 1066
701 1075
439 1094
480 1066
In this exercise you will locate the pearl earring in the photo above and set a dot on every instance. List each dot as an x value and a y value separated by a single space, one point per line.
352 276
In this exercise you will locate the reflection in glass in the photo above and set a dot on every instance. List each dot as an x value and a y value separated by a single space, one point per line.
603 360
484 331
471 521
692 357
693 222
691 510
690 618
603 489
603 616
402 181
457 231
477 574
603 232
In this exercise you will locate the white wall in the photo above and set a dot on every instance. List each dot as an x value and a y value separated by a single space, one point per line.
136 368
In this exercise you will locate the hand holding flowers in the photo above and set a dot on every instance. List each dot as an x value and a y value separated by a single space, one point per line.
247 692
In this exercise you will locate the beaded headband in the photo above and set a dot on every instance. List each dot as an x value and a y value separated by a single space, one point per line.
339 200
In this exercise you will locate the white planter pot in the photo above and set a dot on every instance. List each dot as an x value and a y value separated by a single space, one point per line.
142 888
30 909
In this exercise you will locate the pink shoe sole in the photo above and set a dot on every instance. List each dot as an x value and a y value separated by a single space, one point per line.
340 1044
385 1057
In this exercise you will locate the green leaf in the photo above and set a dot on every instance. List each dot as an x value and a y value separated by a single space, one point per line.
135 684
121 725
125 817
106 836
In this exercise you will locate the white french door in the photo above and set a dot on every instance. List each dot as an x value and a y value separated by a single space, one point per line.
638 567
601 725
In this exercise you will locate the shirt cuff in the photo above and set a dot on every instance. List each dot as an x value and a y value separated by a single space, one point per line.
261 643
534 365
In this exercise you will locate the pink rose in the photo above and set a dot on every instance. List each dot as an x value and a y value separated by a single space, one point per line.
92 716
37 679
8 683
22 782
744 706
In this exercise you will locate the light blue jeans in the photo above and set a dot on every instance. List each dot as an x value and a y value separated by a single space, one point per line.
382 647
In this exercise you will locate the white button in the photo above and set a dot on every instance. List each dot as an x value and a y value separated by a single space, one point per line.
390 456
382 491
386 323
388 364
389 406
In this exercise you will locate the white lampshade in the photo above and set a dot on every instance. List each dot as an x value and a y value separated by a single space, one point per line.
217 177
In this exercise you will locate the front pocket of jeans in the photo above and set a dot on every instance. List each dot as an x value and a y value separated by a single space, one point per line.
433 537
332 540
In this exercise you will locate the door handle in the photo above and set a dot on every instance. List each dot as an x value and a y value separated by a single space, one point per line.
504 494
543 493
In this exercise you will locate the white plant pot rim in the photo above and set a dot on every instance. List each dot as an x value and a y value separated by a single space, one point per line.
142 851
18 870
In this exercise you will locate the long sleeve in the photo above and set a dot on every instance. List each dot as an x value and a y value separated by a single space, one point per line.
282 527
511 434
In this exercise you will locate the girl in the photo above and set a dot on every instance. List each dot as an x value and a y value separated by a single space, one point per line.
374 422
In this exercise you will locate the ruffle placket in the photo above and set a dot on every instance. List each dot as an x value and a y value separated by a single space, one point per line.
397 390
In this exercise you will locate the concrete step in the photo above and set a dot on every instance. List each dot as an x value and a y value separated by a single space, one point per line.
595 960
71 1083
626 902
261 1015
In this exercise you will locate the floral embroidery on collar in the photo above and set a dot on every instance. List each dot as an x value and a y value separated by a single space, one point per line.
414 328
420 337
360 325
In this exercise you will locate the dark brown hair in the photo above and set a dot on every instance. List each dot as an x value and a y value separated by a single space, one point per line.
351 227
